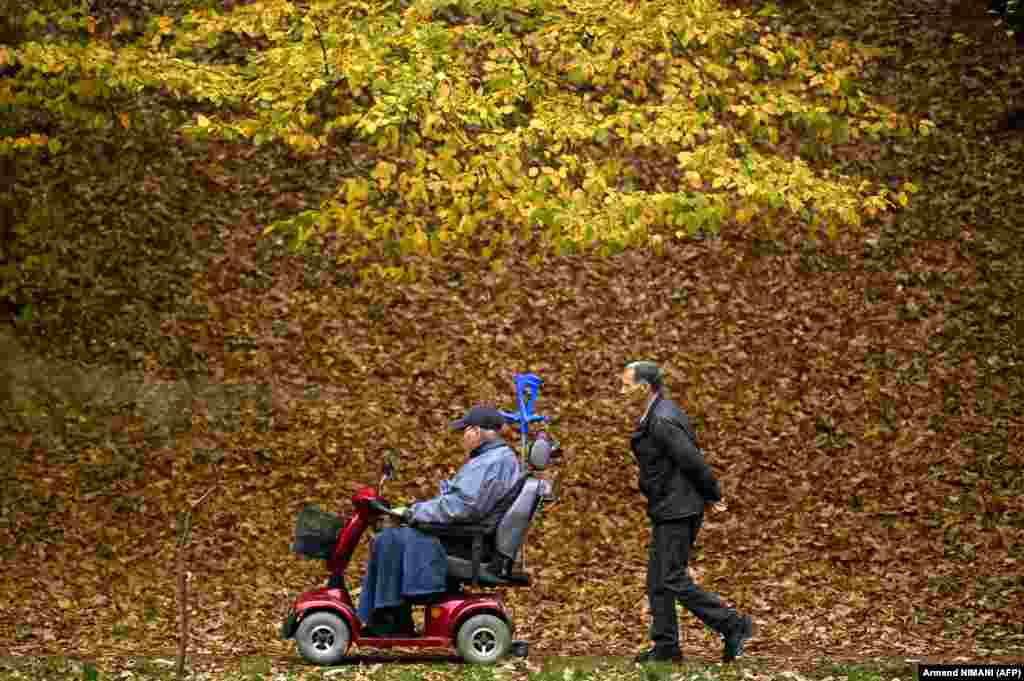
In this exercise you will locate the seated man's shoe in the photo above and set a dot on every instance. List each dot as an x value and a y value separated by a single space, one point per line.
656 654
735 640
371 632
393 622
391 634
404 625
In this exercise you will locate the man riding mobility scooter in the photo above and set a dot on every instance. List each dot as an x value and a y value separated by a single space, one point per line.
324 622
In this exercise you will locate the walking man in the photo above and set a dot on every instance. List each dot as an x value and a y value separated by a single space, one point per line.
678 484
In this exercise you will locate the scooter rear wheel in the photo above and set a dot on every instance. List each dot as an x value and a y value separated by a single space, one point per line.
323 638
483 639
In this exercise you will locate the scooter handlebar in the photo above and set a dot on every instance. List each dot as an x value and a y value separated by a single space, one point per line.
381 508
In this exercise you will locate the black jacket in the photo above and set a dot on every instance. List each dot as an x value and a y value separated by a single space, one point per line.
673 475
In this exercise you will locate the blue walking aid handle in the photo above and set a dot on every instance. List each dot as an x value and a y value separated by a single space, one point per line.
527 390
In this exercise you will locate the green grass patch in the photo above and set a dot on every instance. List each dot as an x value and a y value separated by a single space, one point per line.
871 670
584 668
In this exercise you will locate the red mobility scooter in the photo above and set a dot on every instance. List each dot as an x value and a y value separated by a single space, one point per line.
324 622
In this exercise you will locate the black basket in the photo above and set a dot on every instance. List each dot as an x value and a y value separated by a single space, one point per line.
316 533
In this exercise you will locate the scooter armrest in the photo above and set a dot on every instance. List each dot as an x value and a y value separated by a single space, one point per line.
477 532
443 530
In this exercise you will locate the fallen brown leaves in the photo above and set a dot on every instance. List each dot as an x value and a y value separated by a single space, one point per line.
853 522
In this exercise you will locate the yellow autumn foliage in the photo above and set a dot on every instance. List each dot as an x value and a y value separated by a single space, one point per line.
497 126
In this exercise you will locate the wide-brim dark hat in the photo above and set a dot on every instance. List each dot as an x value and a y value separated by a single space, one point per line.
487 418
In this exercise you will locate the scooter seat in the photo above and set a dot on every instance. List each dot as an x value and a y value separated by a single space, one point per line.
462 569
491 565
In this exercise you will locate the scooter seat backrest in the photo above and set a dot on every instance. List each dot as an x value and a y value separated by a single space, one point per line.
512 529
492 519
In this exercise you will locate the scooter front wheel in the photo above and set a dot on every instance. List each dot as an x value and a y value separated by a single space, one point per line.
483 639
323 638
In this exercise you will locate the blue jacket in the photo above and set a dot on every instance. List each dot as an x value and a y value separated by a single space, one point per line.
492 470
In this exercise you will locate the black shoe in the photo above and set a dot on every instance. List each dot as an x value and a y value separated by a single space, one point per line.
369 632
400 634
736 638
393 622
659 655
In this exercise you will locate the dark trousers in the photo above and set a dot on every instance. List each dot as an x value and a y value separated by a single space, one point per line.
668 580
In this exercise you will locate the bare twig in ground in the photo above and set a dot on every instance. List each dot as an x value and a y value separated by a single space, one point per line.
184 529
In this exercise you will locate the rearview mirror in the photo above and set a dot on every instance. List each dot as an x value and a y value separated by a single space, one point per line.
388 467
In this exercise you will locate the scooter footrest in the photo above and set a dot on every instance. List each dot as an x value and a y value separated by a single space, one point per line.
519 649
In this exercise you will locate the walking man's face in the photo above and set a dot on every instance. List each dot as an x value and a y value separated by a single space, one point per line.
632 391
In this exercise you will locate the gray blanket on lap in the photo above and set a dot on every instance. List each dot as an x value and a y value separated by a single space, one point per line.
403 563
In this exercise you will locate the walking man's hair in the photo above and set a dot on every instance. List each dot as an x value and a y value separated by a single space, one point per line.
649 373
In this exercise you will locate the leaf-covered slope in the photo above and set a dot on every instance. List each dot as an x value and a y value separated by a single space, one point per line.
822 403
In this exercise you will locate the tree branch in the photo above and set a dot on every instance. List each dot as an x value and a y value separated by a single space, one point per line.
184 530
323 47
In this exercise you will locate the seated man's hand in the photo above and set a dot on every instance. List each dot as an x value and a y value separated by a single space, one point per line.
405 512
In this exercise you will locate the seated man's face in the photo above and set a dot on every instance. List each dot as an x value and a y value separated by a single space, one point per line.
471 438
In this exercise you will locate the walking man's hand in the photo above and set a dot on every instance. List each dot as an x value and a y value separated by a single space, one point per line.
719 506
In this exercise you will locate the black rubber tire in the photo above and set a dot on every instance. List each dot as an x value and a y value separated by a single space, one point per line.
483 639
323 638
